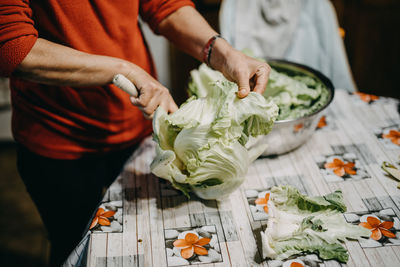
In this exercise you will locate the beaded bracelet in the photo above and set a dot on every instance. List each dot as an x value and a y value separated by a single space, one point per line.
208 49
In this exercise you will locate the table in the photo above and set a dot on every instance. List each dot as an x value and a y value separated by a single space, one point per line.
150 214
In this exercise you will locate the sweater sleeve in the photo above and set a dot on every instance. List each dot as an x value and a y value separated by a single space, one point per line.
154 11
17 34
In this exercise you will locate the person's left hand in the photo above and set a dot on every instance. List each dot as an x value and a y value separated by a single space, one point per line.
247 72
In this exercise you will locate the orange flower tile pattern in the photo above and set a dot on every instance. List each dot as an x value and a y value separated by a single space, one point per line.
367 97
378 228
263 201
257 199
101 218
340 168
394 136
192 245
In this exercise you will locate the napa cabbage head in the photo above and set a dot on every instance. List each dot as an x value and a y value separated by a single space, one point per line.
201 147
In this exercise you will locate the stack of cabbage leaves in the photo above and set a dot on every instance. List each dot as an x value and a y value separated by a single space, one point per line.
300 224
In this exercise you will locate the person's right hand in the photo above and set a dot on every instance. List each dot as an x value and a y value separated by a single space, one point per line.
250 74
152 94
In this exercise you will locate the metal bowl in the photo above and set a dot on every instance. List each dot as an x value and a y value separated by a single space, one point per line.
287 135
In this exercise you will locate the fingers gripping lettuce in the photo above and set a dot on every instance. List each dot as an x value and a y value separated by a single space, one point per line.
202 146
298 224
295 96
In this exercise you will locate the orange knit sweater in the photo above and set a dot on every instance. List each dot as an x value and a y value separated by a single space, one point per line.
67 122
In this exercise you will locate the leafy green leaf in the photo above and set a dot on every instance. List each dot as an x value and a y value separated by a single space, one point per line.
298 223
289 197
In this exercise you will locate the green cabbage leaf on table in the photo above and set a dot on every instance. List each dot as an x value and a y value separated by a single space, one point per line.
296 96
201 147
300 224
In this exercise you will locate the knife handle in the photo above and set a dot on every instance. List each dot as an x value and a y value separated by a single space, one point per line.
126 85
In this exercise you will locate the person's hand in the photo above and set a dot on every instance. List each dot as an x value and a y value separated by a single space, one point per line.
247 72
152 94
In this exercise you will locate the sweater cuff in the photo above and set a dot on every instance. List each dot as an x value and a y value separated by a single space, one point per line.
13 53
166 11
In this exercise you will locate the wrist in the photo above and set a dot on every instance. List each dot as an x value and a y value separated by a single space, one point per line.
129 70
219 54
208 48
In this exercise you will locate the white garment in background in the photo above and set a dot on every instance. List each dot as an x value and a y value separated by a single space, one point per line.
303 31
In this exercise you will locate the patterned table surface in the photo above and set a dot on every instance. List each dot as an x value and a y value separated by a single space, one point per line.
151 215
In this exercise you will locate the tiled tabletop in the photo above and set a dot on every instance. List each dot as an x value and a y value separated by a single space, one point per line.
149 215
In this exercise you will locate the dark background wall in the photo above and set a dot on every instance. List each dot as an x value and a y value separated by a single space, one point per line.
182 64
372 42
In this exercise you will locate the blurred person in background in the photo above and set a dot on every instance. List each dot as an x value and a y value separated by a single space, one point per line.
302 31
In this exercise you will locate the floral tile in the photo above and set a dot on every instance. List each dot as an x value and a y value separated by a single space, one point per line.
360 97
221 219
389 136
327 122
192 245
108 218
384 226
257 200
342 167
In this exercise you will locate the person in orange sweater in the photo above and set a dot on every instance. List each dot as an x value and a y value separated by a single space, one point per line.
74 129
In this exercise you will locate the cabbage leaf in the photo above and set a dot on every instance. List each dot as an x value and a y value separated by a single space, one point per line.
301 224
202 146
295 96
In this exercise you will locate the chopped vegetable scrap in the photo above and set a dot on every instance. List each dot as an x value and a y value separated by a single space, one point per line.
299 224
192 244
378 228
101 218
340 168
392 171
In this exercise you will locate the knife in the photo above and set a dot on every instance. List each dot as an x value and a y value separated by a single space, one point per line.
126 85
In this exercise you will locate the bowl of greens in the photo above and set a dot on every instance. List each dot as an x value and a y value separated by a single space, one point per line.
302 94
